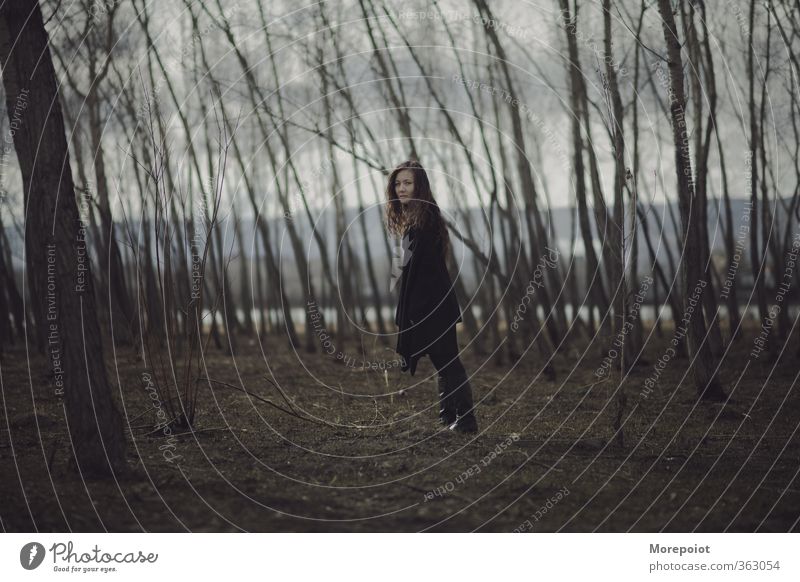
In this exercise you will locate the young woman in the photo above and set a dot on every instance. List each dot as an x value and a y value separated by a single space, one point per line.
427 310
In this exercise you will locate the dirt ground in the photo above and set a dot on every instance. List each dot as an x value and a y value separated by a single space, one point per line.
546 458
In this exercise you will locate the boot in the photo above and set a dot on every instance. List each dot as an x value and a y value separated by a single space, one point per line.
465 417
447 409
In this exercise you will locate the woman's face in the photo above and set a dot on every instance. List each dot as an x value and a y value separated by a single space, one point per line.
404 186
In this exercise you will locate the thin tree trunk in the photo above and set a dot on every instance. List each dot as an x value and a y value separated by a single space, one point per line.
755 259
617 239
693 274
594 281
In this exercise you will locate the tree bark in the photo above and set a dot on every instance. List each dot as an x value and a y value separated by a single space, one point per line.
55 250
594 280
692 271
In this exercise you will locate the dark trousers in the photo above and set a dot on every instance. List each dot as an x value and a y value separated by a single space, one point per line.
453 383
444 354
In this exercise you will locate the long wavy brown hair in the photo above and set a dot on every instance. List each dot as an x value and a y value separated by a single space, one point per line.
420 212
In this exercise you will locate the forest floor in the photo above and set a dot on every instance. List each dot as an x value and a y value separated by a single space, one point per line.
546 458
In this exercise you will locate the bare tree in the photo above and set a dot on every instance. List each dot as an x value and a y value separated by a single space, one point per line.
53 242
692 269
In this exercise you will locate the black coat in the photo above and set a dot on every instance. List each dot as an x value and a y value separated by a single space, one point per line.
427 306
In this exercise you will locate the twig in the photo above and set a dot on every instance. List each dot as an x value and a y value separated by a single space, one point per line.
257 397
319 421
282 393
140 426
161 427
202 430
587 386
138 416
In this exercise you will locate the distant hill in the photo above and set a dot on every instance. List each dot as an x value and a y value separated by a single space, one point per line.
560 221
